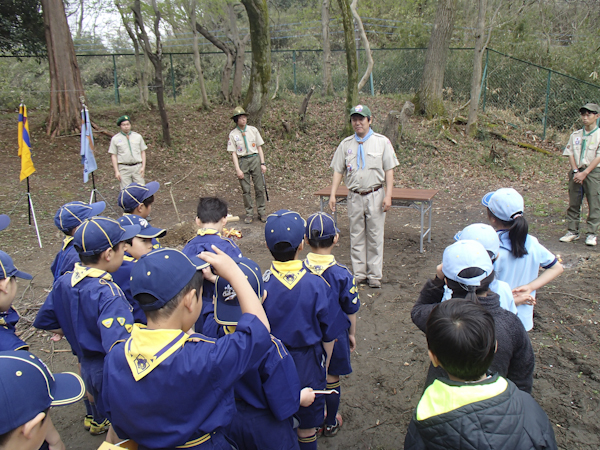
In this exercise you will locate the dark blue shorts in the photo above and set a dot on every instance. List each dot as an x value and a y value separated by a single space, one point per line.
310 363
217 441
340 358
91 372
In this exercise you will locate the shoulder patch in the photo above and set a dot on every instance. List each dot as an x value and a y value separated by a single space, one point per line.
108 322
121 320
128 327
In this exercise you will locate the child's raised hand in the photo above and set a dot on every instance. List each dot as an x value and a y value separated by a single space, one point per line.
307 397
222 263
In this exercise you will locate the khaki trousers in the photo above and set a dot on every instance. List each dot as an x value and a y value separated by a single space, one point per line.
367 220
252 173
591 190
130 174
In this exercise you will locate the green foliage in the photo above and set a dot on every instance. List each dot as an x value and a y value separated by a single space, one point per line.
22 28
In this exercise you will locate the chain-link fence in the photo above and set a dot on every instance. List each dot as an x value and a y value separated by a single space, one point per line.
541 97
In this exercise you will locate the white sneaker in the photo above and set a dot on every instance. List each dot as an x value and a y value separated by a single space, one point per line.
570 237
590 239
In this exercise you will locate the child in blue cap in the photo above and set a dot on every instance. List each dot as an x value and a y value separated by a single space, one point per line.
299 310
181 381
89 308
322 235
468 271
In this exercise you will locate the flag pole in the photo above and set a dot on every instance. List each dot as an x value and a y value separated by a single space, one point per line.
93 196
32 212
29 208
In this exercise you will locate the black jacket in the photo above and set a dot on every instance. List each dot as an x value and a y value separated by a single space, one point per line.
514 358
511 420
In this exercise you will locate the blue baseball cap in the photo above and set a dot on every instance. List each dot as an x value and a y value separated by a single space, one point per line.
505 203
8 269
72 214
284 226
147 231
321 226
27 388
482 233
227 307
99 233
134 195
163 273
4 221
463 255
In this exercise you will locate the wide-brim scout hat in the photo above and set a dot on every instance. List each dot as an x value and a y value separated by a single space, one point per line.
227 306
464 255
134 194
147 230
482 233
4 221
122 119
284 226
592 107
361 110
320 226
100 233
238 111
27 388
72 214
505 203
8 269
163 273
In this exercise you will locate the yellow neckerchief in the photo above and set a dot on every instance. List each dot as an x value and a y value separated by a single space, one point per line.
440 398
129 258
289 272
205 231
80 272
66 241
319 263
146 349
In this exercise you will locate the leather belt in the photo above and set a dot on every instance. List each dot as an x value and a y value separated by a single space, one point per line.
375 189
132 164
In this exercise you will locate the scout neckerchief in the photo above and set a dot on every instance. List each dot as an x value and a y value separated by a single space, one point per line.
360 154
244 136
319 263
289 273
128 142
209 231
583 142
80 272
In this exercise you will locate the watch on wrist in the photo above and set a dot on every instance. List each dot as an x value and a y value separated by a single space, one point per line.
263 164
575 170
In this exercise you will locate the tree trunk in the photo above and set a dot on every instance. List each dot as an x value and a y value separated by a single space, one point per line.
65 79
365 41
228 67
327 83
257 97
196 53
477 63
428 100
351 62
240 55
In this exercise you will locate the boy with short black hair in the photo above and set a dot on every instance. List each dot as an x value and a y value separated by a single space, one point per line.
471 408
322 235
298 307
211 218
89 308
183 382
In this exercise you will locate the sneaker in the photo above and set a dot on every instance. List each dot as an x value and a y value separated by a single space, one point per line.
87 421
332 430
99 428
248 219
361 281
263 219
590 239
375 284
569 237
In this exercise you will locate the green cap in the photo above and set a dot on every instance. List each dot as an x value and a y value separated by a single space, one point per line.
239 111
361 110
122 119
593 107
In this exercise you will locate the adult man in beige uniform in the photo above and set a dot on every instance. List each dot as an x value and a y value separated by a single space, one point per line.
245 144
128 154
366 161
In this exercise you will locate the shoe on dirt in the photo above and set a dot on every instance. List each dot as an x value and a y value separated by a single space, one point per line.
569 237
590 239
99 428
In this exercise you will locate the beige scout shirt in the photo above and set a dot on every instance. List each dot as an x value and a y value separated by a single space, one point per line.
128 151
589 142
236 141
379 157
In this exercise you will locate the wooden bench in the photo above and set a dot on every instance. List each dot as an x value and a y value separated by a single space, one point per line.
420 199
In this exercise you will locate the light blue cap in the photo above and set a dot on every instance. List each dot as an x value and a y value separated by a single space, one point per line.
482 233
505 203
463 255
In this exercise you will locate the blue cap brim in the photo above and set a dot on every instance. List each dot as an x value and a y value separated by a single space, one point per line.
151 232
227 313
68 388
198 262
130 232
485 201
152 187
97 208
22 275
457 236
4 221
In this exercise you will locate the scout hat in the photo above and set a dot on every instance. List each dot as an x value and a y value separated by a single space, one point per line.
147 231
482 233
321 226
122 119
361 110
592 107
227 307
4 221
505 203
134 195
463 255
238 111
100 233
163 273
8 269
28 388
72 214
284 226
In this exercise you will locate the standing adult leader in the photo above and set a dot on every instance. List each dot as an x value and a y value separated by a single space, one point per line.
128 154
366 161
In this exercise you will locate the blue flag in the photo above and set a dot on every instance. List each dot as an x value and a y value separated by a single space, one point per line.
87 146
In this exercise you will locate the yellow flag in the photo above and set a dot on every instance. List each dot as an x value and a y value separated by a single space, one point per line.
24 144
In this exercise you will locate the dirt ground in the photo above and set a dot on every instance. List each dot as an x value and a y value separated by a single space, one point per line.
391 359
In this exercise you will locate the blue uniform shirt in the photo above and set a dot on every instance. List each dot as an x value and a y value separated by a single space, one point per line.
122 278
8 338
90 308
65 259
184 388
